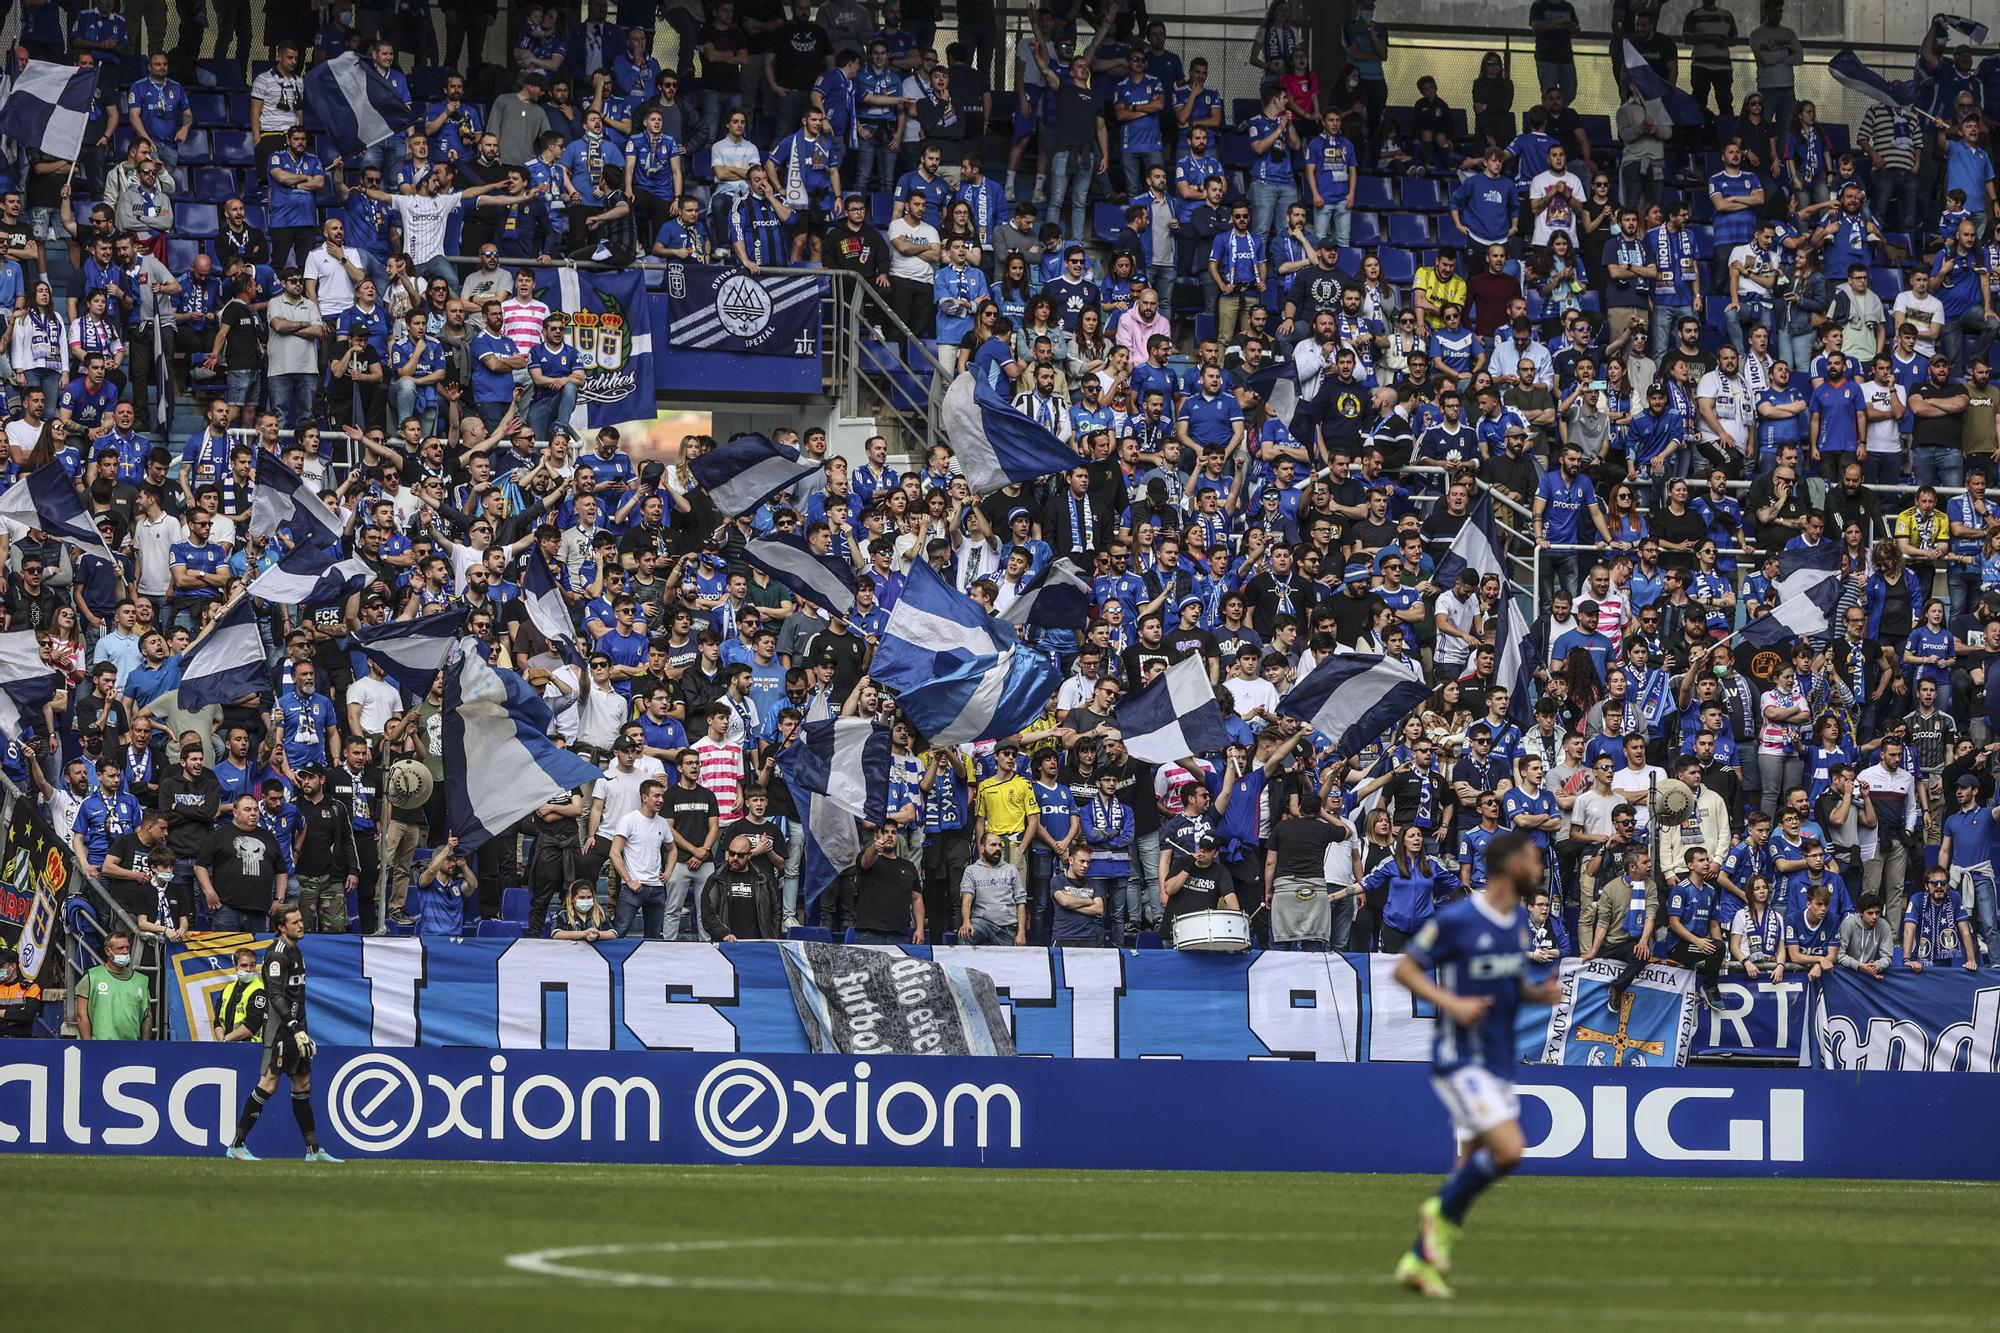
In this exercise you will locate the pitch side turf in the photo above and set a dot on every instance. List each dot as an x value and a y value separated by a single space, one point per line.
380 1247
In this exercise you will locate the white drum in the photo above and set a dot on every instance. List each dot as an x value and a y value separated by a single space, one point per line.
1212 932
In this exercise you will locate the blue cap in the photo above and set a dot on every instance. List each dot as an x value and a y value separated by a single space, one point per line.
1359 572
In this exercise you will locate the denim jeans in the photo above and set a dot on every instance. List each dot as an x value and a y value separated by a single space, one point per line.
880 937
1893 196
1562 569
1986 915
1141 900
649 904
545 414
403 403
1973 325
1746 318
1638 183
1557 74
1135 166
231 919
878 156
1041 872
989 932
291 398
1070 176
1665 317
1335 219
1268 202
1797 349
1937 465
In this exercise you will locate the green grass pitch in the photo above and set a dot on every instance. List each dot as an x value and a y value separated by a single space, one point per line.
385 1246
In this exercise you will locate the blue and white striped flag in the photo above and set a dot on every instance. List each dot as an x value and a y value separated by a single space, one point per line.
542 599
1475 547
308 577
832 844
990 698
1354 698
355 104
1174 717
1665 103
282 500
26 681
748 470
47 501
1850 72
1973 31
1516 666
826 581
499 762
47 106
1056 598
1808 590
845 762
932 630
996 445
412 652
227 661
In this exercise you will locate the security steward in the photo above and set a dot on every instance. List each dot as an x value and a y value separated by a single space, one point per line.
20 999
244 1008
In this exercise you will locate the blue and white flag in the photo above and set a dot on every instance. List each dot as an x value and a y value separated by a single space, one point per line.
1516 665
412 652
989 698
1665 103
542 599
1851 73
282 500
932 630
1354 698
1056 598
611 328
720 308
1963 31
826 581
1475 547
748 470
308 577
845 762
995 444
1808 589
499 762
1278 385
832 844
227 661
1174 717
47 501
355 104
26 681
47 106
1651 1024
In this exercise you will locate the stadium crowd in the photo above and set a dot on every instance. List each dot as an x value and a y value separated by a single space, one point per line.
1296 344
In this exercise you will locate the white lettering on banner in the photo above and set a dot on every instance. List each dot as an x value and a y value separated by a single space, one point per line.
111 1090
394 969
1396 1031
1023 977
742 1108
1739 999
1778 1137
375 1102
1888 1043
655 973
1305 1006
1095 979
529 969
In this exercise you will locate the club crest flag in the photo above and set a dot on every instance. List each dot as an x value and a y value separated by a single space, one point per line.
1651 1025
716 309
612 333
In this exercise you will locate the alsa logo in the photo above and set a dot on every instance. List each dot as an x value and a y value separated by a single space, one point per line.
1671 1124
743 1109
125 1109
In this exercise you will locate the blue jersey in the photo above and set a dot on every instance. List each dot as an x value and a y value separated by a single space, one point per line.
1693 905
101 822
281 824
1476 951
1058 812
1472 851
306 718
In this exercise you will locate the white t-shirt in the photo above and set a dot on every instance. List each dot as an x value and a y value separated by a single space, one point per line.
1560 215
424 219
1461 612
1635 785
914 267
1592 813
1251 695
1922 311
645 836
1884 436
154 541
725 153
619 791
335 291
379 702
1732 406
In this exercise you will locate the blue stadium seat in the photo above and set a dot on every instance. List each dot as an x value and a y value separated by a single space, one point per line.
1204 328
1376 193
1233 151
1147 939
1106 221
198 221
1536 305
514 905
1398 266
254 215
1886 283
1422 194
501 930
1365 230
197 150
1410 230
212 183
1704 240
881 208
1349 259
180 254
1461 124
227 76
210 109
427 83
234 148
1597 129
1449 236
810 934
1241 109
701 165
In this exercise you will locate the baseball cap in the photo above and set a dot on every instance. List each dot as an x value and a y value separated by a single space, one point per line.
312 770
625 743
1327 243
1207 842
1967 780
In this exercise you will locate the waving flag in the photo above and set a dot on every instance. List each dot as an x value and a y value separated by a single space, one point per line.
1056 598
499 762
309 577
845 762
355 104
933 629
832 844
825 581
412 652
1278 385
541 597
987 699
1808 589
46 500
611 327
1850 73
26 681
1473 548
227 661
1354 698
1973 31
283 500
1174 717
997 445
749 470
47 106
1665 103
1516 666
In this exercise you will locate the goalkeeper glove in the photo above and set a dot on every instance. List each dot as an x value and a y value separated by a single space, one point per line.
303 1043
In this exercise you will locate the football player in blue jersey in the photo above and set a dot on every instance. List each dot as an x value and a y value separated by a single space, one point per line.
1478 946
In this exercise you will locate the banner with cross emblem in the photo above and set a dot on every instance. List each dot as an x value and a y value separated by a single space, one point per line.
1651 1024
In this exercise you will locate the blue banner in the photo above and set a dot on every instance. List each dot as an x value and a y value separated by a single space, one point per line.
711 308
610 326
572 1106
1939 1019
1755 1019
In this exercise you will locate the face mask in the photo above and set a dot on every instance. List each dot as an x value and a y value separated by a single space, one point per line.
585 904
246 974
121 960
